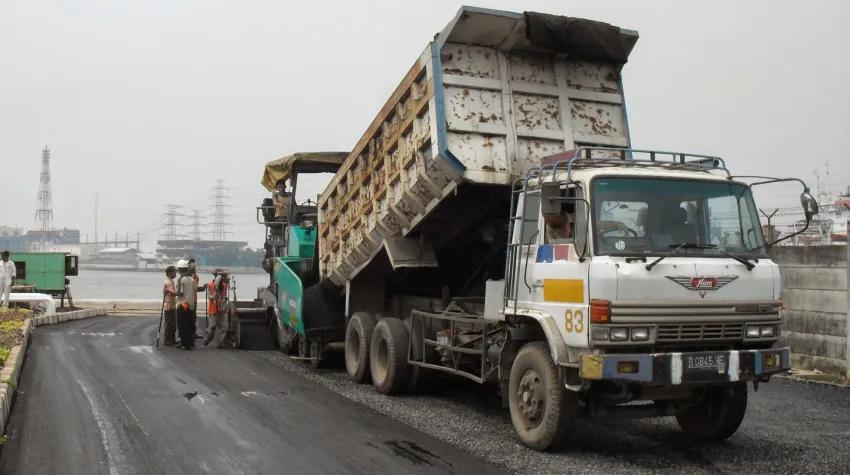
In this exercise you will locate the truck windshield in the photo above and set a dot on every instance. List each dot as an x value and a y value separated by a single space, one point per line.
651 216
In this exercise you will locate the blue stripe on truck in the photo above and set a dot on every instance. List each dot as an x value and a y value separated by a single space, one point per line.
442 136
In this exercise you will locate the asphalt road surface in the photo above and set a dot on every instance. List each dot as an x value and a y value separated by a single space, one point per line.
96 399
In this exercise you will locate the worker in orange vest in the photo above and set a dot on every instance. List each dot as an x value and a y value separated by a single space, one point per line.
217 306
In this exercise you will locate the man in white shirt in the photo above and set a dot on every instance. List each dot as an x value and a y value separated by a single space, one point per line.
7 278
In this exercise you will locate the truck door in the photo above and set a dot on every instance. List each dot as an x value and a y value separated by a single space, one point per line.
557 279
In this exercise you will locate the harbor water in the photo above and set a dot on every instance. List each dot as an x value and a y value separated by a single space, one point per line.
102 285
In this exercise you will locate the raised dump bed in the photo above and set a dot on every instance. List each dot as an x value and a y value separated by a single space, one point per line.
493 94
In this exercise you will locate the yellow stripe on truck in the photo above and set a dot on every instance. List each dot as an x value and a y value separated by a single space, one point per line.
563 290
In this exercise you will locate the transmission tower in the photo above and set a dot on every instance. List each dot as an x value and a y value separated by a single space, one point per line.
171 222
44 212
220 224
196 225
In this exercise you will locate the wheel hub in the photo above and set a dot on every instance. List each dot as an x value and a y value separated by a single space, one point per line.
531 397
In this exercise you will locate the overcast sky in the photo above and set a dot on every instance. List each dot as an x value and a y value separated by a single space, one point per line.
147 103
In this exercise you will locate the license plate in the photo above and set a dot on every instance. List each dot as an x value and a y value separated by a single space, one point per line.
706 362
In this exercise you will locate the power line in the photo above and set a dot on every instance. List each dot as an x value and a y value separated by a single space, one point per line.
171 223
196 225
220 223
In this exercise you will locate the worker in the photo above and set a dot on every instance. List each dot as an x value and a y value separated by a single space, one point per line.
186 306
169 306
8 274
199 288
281 200
558 228
217 306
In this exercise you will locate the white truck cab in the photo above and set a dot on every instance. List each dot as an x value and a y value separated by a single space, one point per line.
651 280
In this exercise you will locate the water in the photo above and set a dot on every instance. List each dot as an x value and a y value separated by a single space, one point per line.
94 285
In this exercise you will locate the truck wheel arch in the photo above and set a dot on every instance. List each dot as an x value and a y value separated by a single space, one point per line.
558 349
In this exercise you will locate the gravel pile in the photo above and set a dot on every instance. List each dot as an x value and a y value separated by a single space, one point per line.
469 416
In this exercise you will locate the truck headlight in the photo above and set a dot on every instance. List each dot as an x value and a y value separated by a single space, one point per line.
768 331
600 334
753 331
640 334
619 334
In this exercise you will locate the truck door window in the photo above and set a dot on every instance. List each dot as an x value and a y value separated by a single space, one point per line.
562 230
530 219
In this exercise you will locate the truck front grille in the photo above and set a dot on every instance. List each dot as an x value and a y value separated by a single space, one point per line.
669 333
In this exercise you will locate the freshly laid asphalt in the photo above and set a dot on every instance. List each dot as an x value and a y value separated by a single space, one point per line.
95 398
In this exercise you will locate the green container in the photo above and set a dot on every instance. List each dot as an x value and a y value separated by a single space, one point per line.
46 271
301 242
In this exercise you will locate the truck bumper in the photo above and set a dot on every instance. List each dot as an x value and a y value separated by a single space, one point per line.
672 369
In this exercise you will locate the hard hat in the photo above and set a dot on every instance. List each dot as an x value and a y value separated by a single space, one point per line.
182 264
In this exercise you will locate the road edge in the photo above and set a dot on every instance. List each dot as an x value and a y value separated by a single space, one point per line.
11 372
816 382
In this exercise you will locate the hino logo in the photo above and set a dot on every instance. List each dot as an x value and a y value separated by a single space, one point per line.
702 283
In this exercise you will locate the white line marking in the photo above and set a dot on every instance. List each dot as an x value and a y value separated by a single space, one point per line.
104 425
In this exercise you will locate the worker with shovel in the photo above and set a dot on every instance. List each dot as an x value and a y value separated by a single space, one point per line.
217 307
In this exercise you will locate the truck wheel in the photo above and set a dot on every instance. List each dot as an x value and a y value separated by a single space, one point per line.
718 415
317 354
388 357
303 349
358 337
540 406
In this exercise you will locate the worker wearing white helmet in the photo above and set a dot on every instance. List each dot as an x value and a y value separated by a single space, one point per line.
186 301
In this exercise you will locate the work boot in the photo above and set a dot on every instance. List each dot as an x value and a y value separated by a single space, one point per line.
209 337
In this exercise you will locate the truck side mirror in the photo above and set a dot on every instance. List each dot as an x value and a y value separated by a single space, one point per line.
550 203
810 205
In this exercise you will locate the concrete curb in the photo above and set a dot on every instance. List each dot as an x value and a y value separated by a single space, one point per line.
11 371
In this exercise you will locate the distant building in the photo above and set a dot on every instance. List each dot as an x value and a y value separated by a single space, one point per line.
197 248
57 236
12 239
115 256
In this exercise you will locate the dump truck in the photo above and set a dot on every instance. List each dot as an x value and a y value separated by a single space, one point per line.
495 223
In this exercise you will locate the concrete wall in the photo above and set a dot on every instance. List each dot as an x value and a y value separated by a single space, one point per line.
815 322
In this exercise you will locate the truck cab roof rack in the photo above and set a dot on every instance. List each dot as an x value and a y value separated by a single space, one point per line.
596 157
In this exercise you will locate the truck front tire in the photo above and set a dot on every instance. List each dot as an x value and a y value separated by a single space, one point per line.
718 416
541 407
388 357
358 338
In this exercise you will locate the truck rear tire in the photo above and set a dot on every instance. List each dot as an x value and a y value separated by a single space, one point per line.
358 338
540 406
718 416
388 357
